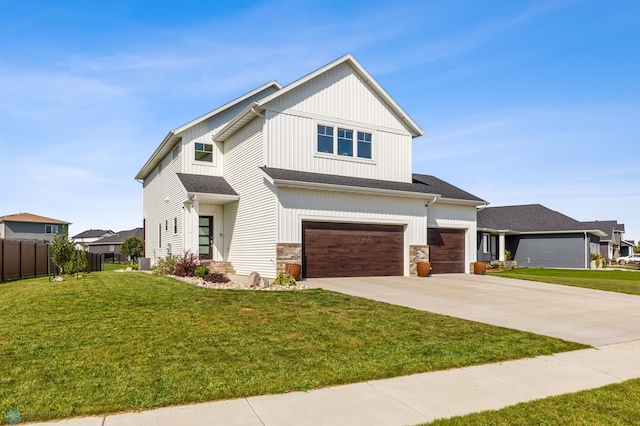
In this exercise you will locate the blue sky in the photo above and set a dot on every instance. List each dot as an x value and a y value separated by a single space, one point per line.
522 101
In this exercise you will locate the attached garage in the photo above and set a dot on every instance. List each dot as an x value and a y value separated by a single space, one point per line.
332 249
446 250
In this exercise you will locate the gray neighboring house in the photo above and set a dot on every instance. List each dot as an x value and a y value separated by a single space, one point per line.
110 246
611 244
626 247
90 236
31 227
536 236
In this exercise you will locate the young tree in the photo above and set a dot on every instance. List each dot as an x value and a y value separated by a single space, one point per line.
132 247
636 249
62 250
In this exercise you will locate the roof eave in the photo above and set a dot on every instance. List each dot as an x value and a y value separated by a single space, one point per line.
463 202
153 160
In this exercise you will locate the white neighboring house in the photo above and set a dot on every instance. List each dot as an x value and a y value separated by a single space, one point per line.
90 236
316 173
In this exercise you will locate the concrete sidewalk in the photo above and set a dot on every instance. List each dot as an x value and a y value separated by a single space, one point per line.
405 400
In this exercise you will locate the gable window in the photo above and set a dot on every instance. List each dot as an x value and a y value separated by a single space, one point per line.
50 229
345 142
112 248
159 170
175 153
486 244
325 139
364 145
204 152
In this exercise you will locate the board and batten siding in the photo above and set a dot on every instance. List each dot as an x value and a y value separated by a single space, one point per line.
292 144
157 211
549 251
249 224
297 205
455 216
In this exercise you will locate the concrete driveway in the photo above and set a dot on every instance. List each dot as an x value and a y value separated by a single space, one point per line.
586 316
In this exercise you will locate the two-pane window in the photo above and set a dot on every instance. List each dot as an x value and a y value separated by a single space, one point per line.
50 229
340 141
204 152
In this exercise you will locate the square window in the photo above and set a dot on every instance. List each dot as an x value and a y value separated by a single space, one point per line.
325 139
50 229
345 142
112 248
364 145
204 152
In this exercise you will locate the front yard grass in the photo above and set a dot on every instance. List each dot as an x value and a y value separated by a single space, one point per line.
617 404
618 281
113 342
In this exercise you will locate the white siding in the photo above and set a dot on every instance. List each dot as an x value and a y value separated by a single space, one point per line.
156 211
292 144
340 92
442 215
249 231
297 205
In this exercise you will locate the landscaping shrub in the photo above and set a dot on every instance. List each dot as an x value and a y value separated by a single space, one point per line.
202 271
186 265
166 265
217 277
284 279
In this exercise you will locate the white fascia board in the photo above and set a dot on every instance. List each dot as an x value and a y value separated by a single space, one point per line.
230 128
343 188
461 202
499 231
596 232
412 126
211 198
153 160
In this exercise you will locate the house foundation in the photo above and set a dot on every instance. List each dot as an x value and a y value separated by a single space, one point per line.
417 253
288 253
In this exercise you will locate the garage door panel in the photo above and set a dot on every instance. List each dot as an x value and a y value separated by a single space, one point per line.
446 250
352 250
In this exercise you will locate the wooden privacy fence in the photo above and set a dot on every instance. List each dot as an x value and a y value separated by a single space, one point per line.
25 259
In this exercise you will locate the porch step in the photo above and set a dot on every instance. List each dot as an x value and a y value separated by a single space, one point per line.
218 266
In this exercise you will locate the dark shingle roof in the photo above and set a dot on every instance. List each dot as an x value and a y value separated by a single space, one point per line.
606 226
119 237
528 218
92 233
424 184
206 184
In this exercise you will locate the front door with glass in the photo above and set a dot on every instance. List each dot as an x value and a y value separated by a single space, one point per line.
205 237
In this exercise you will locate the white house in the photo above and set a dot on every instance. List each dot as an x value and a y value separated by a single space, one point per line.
316 173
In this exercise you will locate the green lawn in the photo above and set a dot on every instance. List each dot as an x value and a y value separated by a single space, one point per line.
114 342
618 281
617 404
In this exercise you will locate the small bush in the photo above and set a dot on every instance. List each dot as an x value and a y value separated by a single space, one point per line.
284 279
216 277
201 271
166 265
186 265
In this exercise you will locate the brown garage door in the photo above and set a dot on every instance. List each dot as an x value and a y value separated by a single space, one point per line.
351 250
446 250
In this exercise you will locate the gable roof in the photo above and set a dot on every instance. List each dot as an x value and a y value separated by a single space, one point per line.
119 237
607 226
173 137
251 111
530 218
205 184
30 217
92 233
428 187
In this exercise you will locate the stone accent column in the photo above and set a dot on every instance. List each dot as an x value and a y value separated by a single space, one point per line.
417 253
288 253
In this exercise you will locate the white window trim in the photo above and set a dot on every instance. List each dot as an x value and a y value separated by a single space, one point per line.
214 157
334 156
175 152
486 243
52 229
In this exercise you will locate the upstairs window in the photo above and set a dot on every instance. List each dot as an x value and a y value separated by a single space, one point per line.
204 152
50 229
364 145
325 139
345 142
175 153
340 141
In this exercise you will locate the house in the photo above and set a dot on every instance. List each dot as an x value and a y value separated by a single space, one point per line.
316 173
31 227
626 247
90 236
536 236
612 242
110 246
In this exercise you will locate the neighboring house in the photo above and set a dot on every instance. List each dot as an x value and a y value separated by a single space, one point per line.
316 173
90 236
536 237
626 247
611 243
110 246
31 227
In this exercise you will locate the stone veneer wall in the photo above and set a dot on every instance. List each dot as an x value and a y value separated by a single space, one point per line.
417 254
288 253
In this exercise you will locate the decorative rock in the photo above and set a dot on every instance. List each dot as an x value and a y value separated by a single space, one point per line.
254 280
129 269
264 283
58 279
